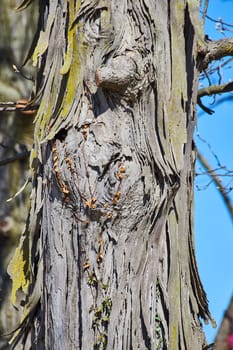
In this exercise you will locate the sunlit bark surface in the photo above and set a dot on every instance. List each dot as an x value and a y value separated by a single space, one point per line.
110 229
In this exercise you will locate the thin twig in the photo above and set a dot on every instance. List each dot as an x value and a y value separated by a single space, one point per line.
217 182
219 21
212 90
203 107
204 14
203 140
19 71
213 68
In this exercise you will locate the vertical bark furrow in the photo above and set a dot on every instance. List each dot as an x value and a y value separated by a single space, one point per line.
80 302
145 334
189 41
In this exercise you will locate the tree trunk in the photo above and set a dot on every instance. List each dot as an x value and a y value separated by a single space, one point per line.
110 230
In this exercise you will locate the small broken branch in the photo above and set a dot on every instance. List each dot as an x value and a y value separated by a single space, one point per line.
126 75
118 74
217 182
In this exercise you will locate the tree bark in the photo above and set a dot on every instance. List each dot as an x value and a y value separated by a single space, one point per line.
110 232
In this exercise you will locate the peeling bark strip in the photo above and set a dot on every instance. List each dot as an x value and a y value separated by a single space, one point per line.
113 177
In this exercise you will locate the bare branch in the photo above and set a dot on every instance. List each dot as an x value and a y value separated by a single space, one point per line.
205 109
218 21
18 156
215 89
215 50
19 71
217 182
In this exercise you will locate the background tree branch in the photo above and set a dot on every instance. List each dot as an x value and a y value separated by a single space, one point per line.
217 182
19 156
222 340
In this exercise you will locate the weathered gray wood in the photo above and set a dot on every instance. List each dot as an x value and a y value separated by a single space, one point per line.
112 220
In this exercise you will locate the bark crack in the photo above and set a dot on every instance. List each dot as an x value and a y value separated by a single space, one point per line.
145 335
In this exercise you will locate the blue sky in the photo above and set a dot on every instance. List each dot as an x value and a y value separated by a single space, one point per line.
213 225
